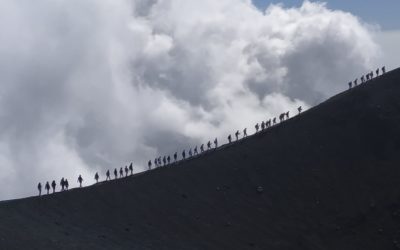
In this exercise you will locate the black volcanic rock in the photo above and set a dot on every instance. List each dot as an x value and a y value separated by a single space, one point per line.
326 179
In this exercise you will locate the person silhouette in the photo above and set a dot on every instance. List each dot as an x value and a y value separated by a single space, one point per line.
195 151
371 75
216 143
115 173
355 82
281 117
183 155
80 179
149 164
53 186
268 123
47 187
237 135
62 184
168 159
121 173
350 85
156 162
287 115
190 152
131 168
39 187
257 127
126 171
208 145
244 132
175 156
66 184
108 175
367 76
262 126
202 148
377 72
96 177
383 70
299 109
274 120
164 159
230 139
159 161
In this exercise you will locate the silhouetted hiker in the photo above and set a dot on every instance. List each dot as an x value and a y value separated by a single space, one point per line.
168 159
183 154
216 143
274 120
155 162
108 175
371 75
149 164
299 109
362 79
131 168
367 76
244 132
53 186
80 179
383 70
47 187
175 156
262 126
96 177
126 171
287 115
355 82
208 145
377 72
66 184
195 151
257 127
350 85
62 184
281 117
121 173
39 187
202 148
237 135
159 161
190 152
268 123
164 159
115 173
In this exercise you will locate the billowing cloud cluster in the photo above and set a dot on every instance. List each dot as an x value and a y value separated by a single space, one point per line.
90 85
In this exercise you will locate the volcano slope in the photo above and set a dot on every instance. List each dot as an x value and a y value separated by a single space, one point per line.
330 180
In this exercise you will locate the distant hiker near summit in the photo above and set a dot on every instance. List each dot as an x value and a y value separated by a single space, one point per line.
39 186
80 180
53 186
108 175
115 173
47 187
96 177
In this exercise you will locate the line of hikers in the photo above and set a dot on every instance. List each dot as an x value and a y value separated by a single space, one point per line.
367 77
167 160
63 183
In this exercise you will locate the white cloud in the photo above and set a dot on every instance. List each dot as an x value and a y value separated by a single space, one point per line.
90 85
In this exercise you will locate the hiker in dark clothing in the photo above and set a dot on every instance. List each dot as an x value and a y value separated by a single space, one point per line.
108 175
47 187
164 159
367 76
183 155
175 156
62 184
383 70
156 162
216 143
299 109
39 187
202 148
274 120
121 173
287 115
244 132
237 135
257 127
80 179
377 72
208 145
159 161
115 173
355 82
350 85
190 152
149 164
262 126
195 151
362 79
230 138
168 159
131 168
126 171
96 177
66 184
53 186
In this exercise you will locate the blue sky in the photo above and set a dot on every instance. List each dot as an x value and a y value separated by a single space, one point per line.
384 12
